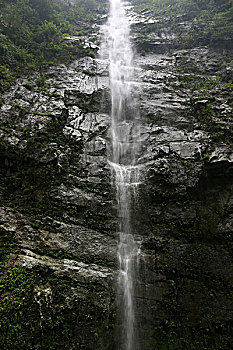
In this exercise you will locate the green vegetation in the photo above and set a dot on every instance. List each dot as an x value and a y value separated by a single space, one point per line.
15 295
211 20
32 320
204 104
33 34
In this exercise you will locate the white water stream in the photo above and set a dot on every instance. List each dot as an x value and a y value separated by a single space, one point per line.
125 145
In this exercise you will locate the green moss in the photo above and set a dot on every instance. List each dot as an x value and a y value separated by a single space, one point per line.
30 321
210 22
176 335
33 35
15 292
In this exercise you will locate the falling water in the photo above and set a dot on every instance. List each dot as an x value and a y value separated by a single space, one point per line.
123 161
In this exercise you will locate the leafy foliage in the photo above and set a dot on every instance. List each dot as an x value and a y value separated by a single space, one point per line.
32 34
211 20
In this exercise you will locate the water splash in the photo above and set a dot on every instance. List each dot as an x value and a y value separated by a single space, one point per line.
123 153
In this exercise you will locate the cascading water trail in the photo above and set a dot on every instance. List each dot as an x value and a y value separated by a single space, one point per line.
118 51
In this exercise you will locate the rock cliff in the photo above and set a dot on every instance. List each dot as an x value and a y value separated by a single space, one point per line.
58 212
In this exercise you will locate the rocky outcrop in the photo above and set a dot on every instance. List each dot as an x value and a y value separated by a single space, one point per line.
58 223
57 227
185 202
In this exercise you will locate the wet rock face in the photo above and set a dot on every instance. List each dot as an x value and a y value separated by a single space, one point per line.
59 210
185 202
57 225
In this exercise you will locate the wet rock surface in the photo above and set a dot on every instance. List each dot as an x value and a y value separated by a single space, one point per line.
59 210
56 207
185 204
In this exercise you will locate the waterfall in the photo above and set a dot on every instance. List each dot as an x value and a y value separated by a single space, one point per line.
123 153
